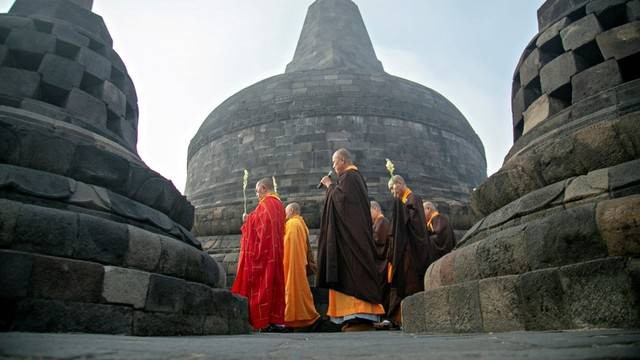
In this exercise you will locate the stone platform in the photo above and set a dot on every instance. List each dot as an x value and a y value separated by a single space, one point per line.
595 344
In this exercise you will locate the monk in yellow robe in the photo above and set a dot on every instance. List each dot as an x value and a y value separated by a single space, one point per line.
347 263
299 308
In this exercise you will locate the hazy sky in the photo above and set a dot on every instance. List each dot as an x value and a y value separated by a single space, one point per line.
186 57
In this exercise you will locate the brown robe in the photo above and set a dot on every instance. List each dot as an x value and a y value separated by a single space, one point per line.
442 238
346 252
409 252
382 239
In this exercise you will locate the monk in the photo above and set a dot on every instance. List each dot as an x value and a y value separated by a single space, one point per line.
346 251
299 310
441 235
381 234
260 277
409 252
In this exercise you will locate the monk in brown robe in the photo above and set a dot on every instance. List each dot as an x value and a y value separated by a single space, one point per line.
441 235
299 309
409 252
381 235
346 251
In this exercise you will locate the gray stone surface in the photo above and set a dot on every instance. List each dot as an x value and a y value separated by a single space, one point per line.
619 225
580 32
575 345
595 79
552 31
31 41
543 301
531 66
599 294
166 294
17 82
144 249
15 274
413 313
95 64
502 254
103 241
87 107
54 233
159 324
60 72
558 72
125 286
64 279
436 306
464 307
552 10
621 41
501 304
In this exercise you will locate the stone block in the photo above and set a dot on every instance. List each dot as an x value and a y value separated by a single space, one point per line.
580 32
552 10
54 233
619 225
87 4
466 264
501 304
157 324
447 264
502 254
620 42
16 22
172 257
125 286
9 211
95 64
60 72
39 315
64 279
214 273
543 300
521 101
87 108
238 315
436 310
101 240
215 325
564 237
558 72
598 294
592 184
413 320
464 307
531 66
67 33
144 249
43 108
540 110
625 174
598 78
15 274
110 95
19 83
198 298
4 54
598 6
633 10
31 41
552 31
166 294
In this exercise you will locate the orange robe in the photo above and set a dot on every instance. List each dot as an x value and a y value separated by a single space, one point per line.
299 310
260 277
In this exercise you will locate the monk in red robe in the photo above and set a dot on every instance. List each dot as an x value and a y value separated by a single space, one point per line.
260 275
346 252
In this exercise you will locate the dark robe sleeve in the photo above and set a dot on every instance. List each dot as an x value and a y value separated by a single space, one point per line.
442 238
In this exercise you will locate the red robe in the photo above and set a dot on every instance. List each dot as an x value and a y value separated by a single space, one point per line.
260 275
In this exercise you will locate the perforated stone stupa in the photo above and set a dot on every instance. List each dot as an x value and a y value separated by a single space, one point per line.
559 241
91 239
333 94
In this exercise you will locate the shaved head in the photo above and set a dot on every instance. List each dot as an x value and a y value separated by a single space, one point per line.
345 155
266 182
375 206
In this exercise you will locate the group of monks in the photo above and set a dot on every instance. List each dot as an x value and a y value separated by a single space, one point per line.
368 263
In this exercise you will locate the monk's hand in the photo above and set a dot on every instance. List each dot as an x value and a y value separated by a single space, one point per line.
244 217
326 181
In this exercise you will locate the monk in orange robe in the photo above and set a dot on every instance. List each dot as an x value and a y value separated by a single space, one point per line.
260 277
441 235
299 311
347 263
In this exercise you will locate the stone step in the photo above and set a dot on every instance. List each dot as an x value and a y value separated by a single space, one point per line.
603 293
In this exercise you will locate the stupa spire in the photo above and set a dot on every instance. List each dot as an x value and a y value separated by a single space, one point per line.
334 36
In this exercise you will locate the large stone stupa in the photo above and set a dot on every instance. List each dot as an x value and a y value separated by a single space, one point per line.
91 239
559 243
334 93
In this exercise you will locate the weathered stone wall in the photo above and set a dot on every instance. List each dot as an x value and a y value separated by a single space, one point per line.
91 239
289 126
558 245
